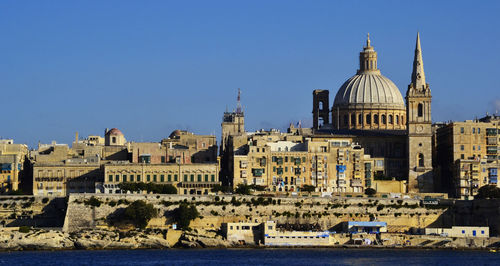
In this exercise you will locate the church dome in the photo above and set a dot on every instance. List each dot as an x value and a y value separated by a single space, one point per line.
369 90
368 100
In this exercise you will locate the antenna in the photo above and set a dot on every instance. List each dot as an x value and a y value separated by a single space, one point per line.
238 104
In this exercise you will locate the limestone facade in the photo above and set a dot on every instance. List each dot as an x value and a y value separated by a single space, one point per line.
287 163
12 159
187 178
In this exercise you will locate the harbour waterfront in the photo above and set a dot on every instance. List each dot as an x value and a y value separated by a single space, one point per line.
252 257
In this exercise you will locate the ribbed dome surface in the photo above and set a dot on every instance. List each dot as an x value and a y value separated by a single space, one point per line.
370 90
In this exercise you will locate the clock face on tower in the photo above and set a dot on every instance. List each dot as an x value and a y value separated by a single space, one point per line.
420 128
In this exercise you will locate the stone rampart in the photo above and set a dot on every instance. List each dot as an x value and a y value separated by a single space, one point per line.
326 213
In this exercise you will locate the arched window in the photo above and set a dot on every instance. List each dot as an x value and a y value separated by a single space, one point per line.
346 120
420 160
375 119
420 110
390 119
384 121
360 119
320 122
320 105
353 119
368 119
397 119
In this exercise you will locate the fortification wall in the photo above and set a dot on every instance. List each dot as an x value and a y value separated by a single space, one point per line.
325 213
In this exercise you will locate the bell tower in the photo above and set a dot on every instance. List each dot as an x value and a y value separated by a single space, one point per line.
419 126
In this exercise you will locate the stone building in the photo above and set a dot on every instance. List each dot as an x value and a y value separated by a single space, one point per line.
283 162
12 165
467 153
370 108
193 179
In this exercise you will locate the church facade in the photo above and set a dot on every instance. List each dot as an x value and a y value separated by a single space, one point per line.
370 109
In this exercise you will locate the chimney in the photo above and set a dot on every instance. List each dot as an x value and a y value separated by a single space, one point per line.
76 137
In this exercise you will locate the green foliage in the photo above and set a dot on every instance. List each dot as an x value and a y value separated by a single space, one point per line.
15 192
488 192
243 189
224 189
307 188
184 214
380 207
149 187
93 201
24 229
381 176
370 192
139 213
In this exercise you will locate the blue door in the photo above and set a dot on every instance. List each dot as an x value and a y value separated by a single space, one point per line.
473 232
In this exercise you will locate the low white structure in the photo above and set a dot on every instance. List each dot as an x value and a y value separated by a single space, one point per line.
460 231
272 237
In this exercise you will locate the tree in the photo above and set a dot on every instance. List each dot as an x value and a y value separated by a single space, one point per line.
488 192
139 213
370 191
243 189
149 187
219 188
184 214
307 188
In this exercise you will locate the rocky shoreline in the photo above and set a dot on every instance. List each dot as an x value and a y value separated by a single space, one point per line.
100 239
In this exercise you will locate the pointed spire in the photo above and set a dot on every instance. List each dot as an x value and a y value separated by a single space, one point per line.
418 75
238 104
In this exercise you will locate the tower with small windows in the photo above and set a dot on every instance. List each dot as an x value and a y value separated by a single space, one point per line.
419 126
321 109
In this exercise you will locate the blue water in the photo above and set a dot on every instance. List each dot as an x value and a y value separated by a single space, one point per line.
242 257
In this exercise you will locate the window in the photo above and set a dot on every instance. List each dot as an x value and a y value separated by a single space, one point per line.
346 120
213 178
375 119
138 178
114 139
206 178
353 119
473 130
463 231
420 160
199 178
462 130
384 121
420 110
192 178
368 119
169 178
131 178
124 178
162 178
390 119
478 130
175 177
117 178
461 147
360 119
154 178
110 178
397 119
462 156
185 178
148 178
320 105
163 159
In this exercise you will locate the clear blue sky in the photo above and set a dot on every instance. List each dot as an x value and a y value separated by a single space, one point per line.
149 67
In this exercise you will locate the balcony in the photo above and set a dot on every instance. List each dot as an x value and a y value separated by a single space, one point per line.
356 182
